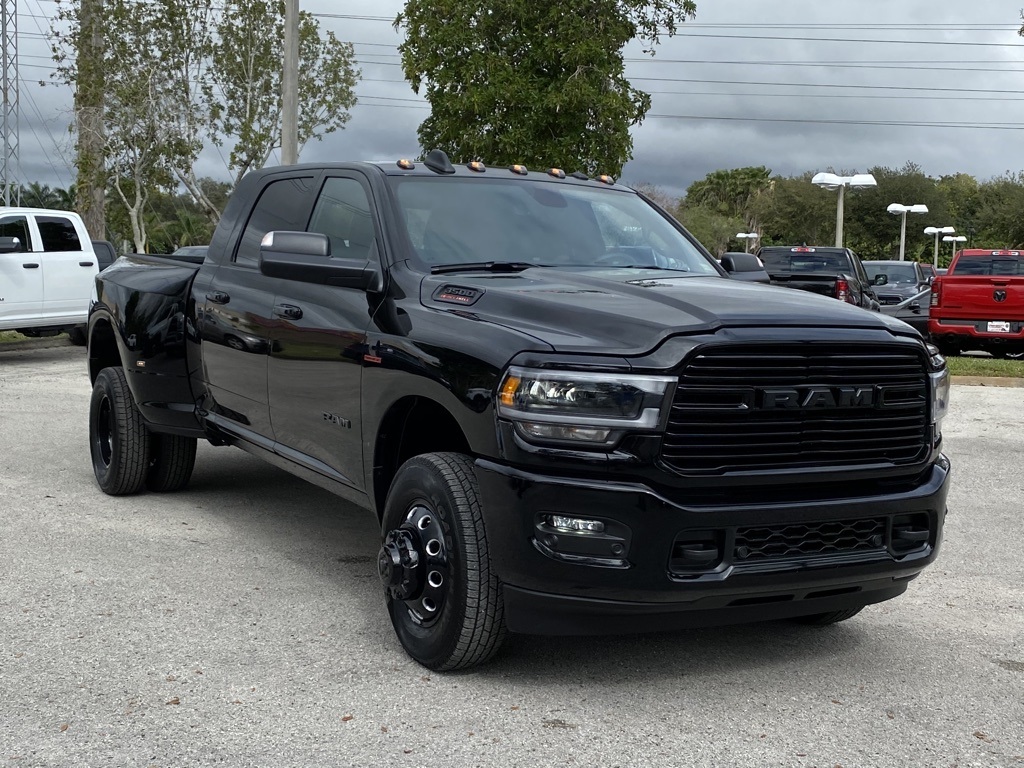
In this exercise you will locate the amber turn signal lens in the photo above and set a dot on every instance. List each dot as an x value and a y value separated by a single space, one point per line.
509 389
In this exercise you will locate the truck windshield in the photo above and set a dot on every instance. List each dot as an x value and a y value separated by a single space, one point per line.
803 261
897 273
989 265
467 221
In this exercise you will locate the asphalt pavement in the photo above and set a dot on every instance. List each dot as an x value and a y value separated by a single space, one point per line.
241 623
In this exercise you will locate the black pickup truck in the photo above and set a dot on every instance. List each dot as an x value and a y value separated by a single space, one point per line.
565 414
835 272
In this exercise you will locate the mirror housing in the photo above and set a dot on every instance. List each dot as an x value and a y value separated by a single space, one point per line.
306 257
745 266
10 245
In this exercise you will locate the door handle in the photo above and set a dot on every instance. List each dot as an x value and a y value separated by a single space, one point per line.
85 263
288 310
218 297
30 265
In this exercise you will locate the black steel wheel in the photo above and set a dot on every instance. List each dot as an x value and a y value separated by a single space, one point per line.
171 460
444 600
118 439
830 617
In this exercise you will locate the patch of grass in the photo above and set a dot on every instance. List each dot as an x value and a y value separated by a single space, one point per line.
6 336
985 366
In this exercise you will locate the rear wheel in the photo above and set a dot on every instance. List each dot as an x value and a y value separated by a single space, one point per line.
118 439
443 597
171 460
830 617
76 335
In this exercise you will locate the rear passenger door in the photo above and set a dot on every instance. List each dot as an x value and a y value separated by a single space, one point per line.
235 310
68 270
21 274
319 342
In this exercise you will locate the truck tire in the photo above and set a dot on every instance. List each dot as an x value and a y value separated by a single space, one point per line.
444 599
118 439
171 460
76 335
830 617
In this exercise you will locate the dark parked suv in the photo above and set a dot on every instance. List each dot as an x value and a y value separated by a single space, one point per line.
903 289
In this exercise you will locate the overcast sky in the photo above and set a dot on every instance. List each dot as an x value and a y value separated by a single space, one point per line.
747 83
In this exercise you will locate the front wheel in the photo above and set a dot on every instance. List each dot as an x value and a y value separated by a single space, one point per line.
444 599
118 439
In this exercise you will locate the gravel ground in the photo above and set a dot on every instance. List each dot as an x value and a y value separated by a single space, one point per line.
240 623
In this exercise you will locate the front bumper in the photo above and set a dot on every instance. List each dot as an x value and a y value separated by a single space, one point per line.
636 576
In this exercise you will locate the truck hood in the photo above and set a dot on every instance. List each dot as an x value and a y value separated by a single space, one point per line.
631 311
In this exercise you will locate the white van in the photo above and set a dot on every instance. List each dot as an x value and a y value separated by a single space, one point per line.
47 271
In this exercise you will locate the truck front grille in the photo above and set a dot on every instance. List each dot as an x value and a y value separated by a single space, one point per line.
798 406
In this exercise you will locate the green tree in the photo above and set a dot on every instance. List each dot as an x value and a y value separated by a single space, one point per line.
245 78
526 81
715 230
875 233
795 212
999 205
181 76
733 193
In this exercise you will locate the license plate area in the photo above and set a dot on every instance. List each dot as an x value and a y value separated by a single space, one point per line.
999 326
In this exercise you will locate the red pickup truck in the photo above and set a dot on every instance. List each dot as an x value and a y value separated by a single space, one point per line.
979 303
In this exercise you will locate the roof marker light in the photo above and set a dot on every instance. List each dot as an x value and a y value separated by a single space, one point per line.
406 165
558 173
519 169
477 166
604 178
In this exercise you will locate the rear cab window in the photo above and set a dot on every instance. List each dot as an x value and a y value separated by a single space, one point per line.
804 260
1008 263
58 233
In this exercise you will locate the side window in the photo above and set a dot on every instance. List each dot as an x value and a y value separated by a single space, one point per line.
282 207
58 234
342 213
16 226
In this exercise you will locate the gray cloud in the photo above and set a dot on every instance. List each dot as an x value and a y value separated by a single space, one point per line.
671 151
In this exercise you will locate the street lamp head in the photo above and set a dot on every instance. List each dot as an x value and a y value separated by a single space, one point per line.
747 235
896 209
827 180
833 181
952 239
939 230
863 180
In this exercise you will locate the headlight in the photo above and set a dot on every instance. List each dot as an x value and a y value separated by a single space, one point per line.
577 407
940 385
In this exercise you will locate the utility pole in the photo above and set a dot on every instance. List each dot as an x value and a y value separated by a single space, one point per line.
290 85
9 64
90 187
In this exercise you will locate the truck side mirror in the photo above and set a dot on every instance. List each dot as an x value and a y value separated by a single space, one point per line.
10 245
306 257
745 266
882 279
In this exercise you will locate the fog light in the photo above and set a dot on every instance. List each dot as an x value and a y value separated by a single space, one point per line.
566 432
565 523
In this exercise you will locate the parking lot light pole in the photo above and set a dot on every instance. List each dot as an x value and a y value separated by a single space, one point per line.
938 231
954 241
896 209
832 181
747 237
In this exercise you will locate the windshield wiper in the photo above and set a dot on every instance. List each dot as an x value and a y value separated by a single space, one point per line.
485 266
